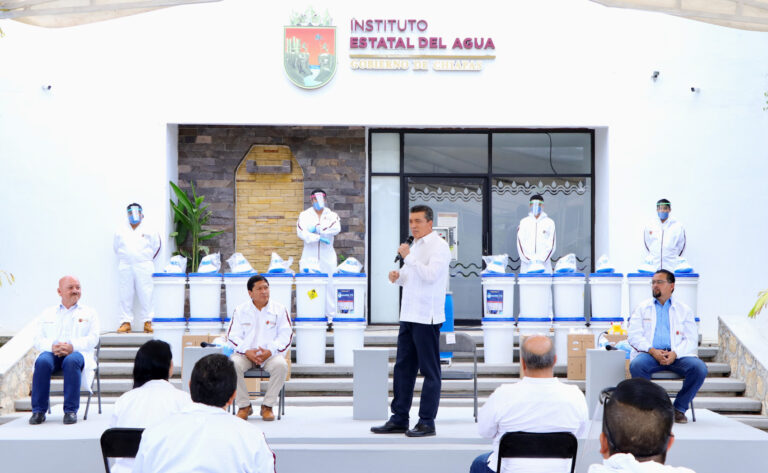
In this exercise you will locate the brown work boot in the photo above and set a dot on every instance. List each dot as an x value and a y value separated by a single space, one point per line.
124 328
680 417
148 327
266 413
244 412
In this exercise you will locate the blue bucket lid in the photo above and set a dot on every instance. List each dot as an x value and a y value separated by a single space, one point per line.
606 319
348 319
534 275
311 319
168 319
169 275
570 319
606 275
349 275
277 275
204 319
640 275
311 275
534 319
240 275
497 275
204 275
498 319
686 275
568 275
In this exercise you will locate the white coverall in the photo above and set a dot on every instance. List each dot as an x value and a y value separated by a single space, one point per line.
327 226
135 251
664 243
536 241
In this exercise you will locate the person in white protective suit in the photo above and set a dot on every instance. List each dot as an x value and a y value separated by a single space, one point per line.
136 246
317 226
664 239
536 238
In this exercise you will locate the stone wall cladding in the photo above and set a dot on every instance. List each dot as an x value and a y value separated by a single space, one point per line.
332 158
743 365
17 382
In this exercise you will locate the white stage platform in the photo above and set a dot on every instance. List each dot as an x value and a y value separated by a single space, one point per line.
326 439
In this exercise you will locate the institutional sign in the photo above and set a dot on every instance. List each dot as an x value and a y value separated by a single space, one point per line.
309 54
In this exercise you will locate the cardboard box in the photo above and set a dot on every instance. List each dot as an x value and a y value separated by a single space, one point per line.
577 368
579 343
614 338
193 341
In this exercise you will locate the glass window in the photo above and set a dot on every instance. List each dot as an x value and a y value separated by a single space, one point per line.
385 238
385 152
529 153
446 153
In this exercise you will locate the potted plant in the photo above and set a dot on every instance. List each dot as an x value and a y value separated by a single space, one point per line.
190 216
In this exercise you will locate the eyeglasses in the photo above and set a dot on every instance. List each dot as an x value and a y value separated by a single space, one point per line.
658 282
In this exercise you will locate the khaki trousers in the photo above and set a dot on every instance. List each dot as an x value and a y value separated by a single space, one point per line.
277 369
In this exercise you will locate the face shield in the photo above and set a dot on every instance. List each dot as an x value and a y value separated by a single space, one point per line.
134 215
318 201
536 207
663 211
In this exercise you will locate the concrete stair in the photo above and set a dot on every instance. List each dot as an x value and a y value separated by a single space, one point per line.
331 385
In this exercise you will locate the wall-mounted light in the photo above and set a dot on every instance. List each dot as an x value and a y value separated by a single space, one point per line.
655 75
46 87
695 90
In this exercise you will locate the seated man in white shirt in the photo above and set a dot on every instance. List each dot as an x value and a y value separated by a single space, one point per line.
538 403
152 398
204 437
260 333
66 335
637 429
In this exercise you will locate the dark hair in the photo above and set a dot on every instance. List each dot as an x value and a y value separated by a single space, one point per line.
428 213
537 197
637 419
213 380
153 361
254 279
316 191
664 202
669 274
538 361
134 205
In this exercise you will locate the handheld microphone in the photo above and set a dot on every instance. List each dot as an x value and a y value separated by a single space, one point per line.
610 347
206 344
399 258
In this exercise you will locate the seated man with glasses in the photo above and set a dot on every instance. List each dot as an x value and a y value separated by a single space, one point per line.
637 429
663 334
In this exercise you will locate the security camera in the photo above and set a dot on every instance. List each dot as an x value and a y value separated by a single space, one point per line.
694 89
46 88
655 75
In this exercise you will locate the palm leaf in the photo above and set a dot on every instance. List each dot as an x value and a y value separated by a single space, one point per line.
762 301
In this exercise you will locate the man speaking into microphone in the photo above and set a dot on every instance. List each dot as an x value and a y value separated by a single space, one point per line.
424 277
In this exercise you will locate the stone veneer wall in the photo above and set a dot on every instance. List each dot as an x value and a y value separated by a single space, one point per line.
16 382
743 364
331 158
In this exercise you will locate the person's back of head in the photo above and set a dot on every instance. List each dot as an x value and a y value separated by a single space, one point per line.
213 381
537 354
153 361
637 419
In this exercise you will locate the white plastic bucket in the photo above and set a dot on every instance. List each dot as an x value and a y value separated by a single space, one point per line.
170 330
168 294
205 296
498 295
535 294
639 285
564 326
310 340
350 292
348 336
237 290
605 296
310 294
498 340
568 291
280 288
687 290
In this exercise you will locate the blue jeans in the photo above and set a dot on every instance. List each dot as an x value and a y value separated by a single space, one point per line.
480 465
418 349
46 364
692 369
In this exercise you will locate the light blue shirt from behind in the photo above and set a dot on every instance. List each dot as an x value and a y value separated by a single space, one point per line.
661 337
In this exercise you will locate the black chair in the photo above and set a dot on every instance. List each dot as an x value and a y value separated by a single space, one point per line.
259 372
120 442
666 374
96 379
538 445
463 344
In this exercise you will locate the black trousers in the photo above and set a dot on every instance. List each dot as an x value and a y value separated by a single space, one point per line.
418 349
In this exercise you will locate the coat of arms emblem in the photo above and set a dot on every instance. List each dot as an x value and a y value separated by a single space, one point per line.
309 55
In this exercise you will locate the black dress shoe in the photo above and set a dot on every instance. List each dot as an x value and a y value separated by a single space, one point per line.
37 418
389 428
421 430
70 417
